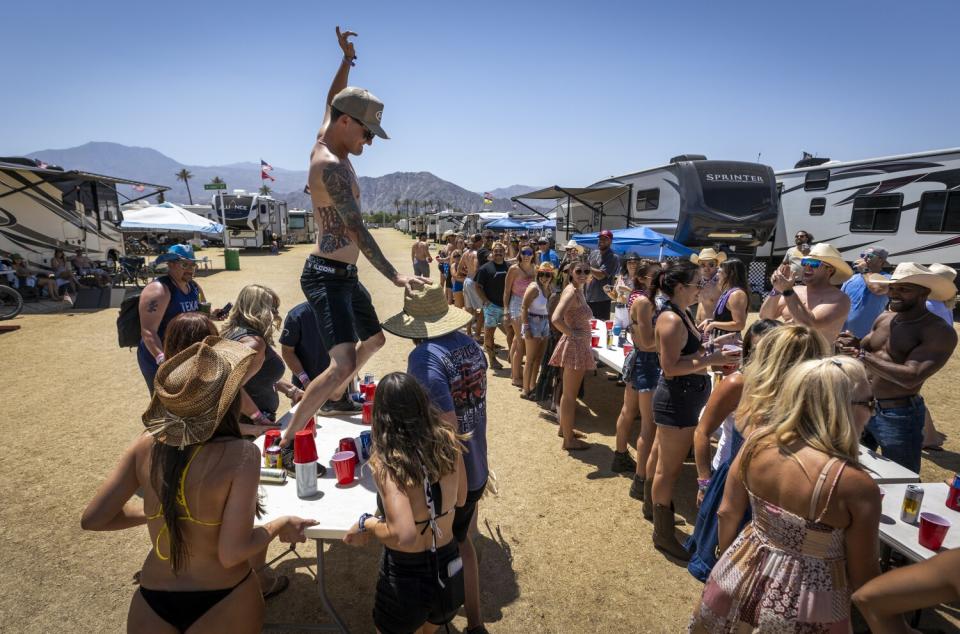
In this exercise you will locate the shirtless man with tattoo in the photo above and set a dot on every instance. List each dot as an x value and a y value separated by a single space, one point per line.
420 254
906 346
819 304
342 305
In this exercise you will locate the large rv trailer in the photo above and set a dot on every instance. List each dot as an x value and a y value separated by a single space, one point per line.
250 220
443 221
43 208
691 199
301 226
907 204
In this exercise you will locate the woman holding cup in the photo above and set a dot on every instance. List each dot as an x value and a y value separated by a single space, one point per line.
418 468
730 313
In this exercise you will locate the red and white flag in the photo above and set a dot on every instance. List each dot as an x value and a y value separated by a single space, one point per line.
265 169
138 187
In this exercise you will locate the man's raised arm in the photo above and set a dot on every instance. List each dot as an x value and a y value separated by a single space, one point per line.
343 72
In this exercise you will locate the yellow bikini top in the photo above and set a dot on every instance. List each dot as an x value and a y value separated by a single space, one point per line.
182 501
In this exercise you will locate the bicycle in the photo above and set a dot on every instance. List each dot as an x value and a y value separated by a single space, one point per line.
11 302
132 270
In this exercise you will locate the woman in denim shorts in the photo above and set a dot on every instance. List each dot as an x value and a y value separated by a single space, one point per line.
535 324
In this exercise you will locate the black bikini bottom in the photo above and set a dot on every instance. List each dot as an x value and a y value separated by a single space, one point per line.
182 609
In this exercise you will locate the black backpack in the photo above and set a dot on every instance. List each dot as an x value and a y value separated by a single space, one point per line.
128 321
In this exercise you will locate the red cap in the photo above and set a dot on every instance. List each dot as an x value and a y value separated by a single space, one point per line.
304 447
606 233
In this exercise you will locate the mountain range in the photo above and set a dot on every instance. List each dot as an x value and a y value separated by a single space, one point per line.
378 193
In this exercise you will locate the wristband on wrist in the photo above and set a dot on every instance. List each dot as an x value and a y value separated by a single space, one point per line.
788 292
257 417
703 484
360 523
350 60
161 358
304 379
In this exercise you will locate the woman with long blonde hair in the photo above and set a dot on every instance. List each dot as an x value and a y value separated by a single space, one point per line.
814 533
417 463
519 277
770 350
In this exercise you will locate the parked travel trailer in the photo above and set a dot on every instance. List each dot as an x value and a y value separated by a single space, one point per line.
907 204
691 199
250 220
301 227
43 208
443 221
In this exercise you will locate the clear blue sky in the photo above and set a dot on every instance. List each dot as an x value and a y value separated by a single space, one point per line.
492 93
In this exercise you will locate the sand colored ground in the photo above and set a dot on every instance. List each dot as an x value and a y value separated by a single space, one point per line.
563 548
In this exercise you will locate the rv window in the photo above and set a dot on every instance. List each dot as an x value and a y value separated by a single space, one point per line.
263 210
817 206
939 212
648 199
817 180
876 213
297 222
951 215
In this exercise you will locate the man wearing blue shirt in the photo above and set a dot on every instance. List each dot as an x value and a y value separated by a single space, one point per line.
452 369
867 301
546 254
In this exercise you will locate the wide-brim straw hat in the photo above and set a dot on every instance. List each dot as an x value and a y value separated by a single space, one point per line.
709 254
944 271
447 234
826 252
941 288
573 245
194 389
426 315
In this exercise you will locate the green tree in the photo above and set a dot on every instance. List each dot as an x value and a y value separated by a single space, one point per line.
185 176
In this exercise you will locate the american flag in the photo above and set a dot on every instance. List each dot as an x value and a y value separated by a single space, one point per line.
138 187
265 169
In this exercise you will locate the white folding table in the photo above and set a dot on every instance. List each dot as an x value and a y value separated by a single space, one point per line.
905 538
610 357
335 507
885 471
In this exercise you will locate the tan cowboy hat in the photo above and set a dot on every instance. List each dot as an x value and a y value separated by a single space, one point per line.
826 252
573 245
944 271
941 288
426 314
447 234
709 254
194 389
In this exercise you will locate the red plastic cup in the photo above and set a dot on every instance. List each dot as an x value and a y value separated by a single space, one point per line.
348 444
371 391
933 529
304 447
627 348
593 324
270 438
609 324
368 412
311 425
343 464
595 341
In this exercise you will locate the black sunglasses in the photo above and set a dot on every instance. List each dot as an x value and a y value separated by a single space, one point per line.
367 134
582 271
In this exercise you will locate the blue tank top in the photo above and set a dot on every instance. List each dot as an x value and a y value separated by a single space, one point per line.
180 302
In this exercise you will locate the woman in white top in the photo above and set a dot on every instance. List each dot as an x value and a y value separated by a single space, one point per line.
535 324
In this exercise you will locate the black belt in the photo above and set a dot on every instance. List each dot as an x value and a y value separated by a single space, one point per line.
331 267
906 401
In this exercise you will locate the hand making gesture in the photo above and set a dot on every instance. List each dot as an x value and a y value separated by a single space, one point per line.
346 45
782 278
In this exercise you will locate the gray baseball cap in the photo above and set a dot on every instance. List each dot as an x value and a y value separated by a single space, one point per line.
362 105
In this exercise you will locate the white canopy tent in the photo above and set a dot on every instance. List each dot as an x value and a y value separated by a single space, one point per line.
168 217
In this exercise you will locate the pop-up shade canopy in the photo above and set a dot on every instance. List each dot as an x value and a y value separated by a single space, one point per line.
168 217
643 241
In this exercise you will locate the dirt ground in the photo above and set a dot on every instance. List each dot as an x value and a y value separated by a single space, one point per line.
563 548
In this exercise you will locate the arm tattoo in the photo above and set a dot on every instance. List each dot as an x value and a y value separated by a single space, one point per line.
338 180
152 306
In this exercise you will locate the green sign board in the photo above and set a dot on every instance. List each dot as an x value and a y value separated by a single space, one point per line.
215 186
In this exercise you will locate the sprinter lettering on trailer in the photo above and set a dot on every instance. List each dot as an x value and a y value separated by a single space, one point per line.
735 178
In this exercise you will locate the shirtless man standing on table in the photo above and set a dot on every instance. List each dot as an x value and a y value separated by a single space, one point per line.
819 304
329 280
906 346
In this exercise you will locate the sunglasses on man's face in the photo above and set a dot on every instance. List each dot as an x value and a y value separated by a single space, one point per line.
813 264
367 134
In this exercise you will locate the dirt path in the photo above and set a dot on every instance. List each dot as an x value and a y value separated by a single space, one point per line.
563 548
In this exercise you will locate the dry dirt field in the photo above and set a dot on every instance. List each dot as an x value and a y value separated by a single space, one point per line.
563 548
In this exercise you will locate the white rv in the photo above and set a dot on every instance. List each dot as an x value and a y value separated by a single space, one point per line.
443 221
691 199
907 204
301 226
250 220
43 208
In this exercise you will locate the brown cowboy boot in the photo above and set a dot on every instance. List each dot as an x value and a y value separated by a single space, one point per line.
663 534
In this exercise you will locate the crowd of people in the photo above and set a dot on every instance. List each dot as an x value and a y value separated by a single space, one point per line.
787 531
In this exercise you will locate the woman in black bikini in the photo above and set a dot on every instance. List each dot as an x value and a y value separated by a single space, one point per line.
418 467
199 481
681 393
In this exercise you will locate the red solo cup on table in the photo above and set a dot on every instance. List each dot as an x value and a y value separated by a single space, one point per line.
343 464
304 447
933 529
609 325
368 412
349 444
311 425
627 348
270 438
593 324
595 341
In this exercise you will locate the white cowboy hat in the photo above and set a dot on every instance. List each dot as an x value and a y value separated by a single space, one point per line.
709 254
826 252
941 288
573 245
426 315
944 271
447 234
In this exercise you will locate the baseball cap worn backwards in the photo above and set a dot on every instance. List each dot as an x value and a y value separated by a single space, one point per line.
362 105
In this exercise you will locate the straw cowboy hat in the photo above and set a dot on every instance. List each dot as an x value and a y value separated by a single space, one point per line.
426 315
194 389
941 287
573 245
709 254
944 271
826 252
447 234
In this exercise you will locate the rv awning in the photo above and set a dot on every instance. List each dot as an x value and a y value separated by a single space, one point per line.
596 194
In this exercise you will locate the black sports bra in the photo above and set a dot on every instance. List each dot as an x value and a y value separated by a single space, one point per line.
693 340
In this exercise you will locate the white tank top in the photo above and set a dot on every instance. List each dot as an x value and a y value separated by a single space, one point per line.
539 305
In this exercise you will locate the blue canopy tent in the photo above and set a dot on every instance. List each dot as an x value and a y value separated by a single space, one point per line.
643 241
550 223
504 224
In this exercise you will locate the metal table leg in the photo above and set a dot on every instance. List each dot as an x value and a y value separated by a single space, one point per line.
336 626
322 590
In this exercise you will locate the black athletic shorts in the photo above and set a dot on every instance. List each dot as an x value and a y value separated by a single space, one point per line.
677 402
343 307
463 515
409 593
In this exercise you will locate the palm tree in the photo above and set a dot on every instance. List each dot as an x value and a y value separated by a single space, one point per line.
396 203
265 190
185 176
